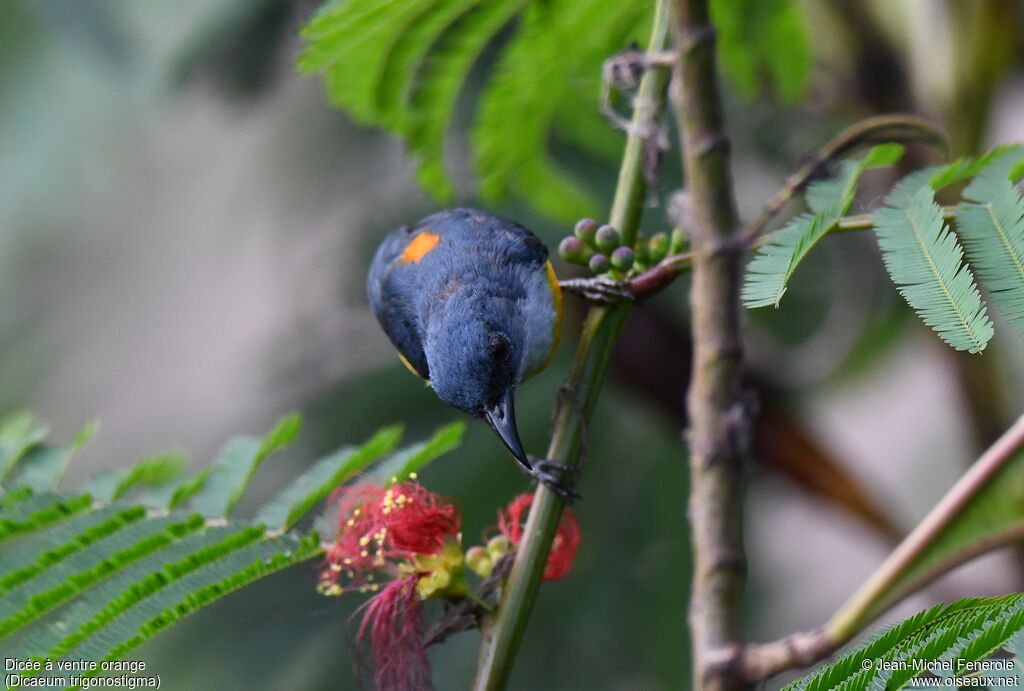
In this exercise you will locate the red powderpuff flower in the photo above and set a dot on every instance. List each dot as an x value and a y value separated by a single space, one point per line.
380 527
393 622
418 520
564 546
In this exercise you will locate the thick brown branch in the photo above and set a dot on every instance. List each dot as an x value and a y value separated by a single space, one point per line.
763 661
635 289
719 419
659 276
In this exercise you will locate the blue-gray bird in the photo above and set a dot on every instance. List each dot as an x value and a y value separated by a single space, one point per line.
473 306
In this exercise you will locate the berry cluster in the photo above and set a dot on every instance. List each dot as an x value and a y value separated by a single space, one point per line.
601 248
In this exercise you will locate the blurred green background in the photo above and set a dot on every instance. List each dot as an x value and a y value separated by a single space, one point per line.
185 225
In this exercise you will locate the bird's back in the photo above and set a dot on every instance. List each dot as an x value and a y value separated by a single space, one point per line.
419 267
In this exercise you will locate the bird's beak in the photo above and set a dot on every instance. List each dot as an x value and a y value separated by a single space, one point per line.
502 419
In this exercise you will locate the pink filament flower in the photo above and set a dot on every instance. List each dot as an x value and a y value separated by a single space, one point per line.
393 622
564 546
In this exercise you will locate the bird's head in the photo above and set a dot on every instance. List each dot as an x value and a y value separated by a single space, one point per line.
474 349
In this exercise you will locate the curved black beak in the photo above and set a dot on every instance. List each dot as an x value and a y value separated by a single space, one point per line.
502 419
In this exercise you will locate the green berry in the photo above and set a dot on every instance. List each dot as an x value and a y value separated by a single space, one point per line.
643 253
585 231
497 547
658 246
622 258
599 264
479 561
572 250
678 241
607 239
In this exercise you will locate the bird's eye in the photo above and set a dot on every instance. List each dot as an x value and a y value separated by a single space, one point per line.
499 347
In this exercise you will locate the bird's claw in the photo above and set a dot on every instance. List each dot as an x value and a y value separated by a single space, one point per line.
559 477
598 290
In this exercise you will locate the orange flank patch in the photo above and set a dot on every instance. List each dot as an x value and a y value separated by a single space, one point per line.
420 246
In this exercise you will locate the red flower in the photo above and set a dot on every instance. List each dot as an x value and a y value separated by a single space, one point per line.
382 527
564 546
410 536
393 619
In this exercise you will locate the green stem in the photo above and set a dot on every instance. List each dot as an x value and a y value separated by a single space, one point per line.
501 636
899 127
902 573
887 585
867 221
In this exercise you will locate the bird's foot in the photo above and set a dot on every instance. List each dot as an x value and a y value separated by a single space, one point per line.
559 477
598 290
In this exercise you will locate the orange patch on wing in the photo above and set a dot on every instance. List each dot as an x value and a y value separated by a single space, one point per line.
420 246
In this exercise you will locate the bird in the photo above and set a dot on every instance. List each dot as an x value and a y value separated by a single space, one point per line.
471 302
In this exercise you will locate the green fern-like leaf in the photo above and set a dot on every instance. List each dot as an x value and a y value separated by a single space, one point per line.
192 591
396 88
9 500
402 465
30 511
151 471
998 633
842 189
93 576
402 64
315 484
964 631
925 261
992 228
105 601
42 466
772 267
29 557
408 461
18 434
938 177
439 83
998 161
849 668
1016 173
513 105
1001 163
235 466
59 580
174 494
362 35
987 223
1016 646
